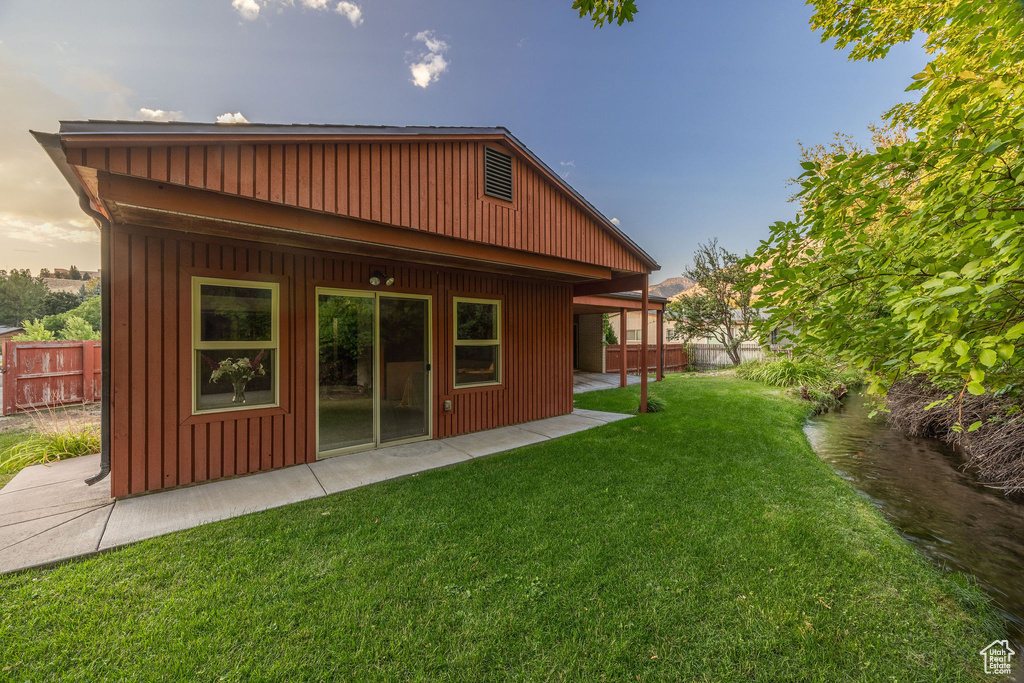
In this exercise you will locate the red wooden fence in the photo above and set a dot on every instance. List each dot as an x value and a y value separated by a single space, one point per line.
675 357
45 374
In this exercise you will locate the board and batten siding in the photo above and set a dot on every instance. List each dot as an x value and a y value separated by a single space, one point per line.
157 442
432 186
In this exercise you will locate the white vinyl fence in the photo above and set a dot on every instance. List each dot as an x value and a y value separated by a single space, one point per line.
714 357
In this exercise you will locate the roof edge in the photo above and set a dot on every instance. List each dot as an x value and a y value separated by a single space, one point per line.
78 128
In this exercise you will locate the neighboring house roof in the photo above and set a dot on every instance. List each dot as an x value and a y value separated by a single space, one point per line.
78 136
9 330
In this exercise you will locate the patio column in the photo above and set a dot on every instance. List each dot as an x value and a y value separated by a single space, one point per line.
661 345
644 305
623 355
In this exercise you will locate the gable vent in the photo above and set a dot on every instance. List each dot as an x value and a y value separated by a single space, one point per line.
497 174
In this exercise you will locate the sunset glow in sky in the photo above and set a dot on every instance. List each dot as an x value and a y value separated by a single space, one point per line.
683 125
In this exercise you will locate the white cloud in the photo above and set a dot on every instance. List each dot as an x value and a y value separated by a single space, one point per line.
431 63
160 115
47 233
350 10
228 117
249 9
615 222
566 165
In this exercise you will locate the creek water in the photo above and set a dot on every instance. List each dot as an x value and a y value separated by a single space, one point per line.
921 488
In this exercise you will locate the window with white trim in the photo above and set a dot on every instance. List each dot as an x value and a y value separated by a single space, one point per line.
235 343
477 342
633 335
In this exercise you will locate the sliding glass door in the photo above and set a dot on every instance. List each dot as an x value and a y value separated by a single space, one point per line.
373 379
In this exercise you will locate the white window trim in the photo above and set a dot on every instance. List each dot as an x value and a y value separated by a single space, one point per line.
199 345
476 342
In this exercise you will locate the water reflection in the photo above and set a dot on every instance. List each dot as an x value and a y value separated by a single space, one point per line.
918 485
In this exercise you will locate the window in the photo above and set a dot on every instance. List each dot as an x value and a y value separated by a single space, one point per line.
235 342
633 335
477 342
497 174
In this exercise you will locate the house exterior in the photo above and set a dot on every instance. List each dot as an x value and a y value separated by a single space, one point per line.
634 325
278 294
590 351
9 333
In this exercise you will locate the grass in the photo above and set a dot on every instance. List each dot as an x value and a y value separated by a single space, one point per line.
48 435
9 440
705 542
46 447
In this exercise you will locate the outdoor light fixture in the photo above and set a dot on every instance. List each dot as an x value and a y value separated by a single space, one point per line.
378 277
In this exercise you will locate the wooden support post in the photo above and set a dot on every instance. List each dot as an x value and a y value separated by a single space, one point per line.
644 306
10 378
661 345
623 351
88 369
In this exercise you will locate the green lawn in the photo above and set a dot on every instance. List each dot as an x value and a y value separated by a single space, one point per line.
706 542
7 440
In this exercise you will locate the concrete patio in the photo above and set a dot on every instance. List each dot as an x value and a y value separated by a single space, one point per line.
48 514
594 381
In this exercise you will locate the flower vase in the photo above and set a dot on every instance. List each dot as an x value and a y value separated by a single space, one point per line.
239 396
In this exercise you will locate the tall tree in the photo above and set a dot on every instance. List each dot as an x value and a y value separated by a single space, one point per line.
719 306
910 257
21 296
55 303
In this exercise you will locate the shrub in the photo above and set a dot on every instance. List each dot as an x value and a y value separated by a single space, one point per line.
46 447
77 328
89 311
820 382
788 372
655 404
34 331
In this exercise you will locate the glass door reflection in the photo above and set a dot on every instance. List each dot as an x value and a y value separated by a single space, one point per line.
346 379
404 374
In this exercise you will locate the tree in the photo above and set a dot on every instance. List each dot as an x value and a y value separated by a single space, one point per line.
77 329
74 274
21 296
34 331
607 330
44 273
606 11
55 303
719 306
909 258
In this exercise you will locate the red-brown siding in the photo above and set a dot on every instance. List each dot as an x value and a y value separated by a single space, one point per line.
158 443
434 186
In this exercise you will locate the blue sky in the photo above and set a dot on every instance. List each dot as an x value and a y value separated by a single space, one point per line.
683 125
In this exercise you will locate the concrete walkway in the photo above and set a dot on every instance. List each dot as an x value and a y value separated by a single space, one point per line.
594 381
48 514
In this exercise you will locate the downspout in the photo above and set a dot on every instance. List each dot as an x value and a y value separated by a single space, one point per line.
86 205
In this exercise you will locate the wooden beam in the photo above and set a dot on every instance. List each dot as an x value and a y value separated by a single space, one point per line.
245 218
608 304
643 348
625 283
623 350
661 345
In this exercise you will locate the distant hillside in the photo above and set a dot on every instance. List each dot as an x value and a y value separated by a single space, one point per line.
55 284
672 286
